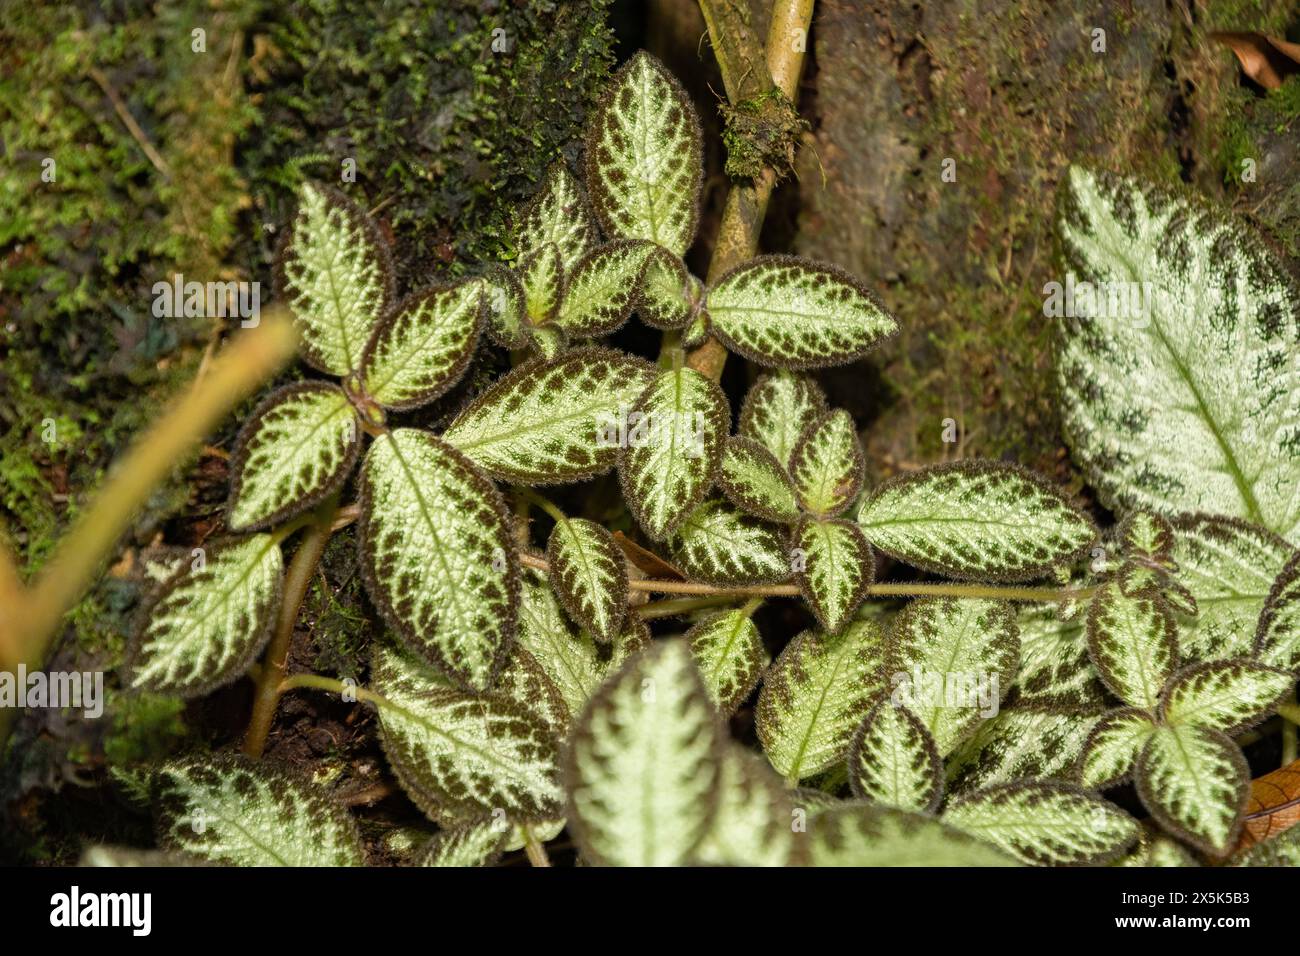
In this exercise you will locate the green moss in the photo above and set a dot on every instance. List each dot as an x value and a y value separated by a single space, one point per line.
760 132
145 727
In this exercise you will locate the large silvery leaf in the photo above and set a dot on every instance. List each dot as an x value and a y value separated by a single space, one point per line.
569 657
460 756
975 519
333 269
1113 747
754 824
557 214
827 464
893 760
232 811
833 568
551 422
437 554
644 159
815 695
951 661
731 657
1229 566
778 409
722 546
1024 741
1195 782
1133 644
755 482
480 843
1054 664
589 574
1230 696
1185 403
673 450
643 764
295 451
861 834
1046 824
793 313
210 620
600 292
424 345
1277 638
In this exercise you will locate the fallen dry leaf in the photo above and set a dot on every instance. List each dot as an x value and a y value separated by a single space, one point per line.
1266 60
1274 805
647 561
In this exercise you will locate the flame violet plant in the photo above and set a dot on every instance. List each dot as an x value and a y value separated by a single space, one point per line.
519 691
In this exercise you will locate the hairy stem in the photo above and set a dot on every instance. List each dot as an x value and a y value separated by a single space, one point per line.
676 606
533 847
332 685
296 581
542 502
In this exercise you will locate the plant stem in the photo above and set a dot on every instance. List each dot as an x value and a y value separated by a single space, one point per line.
296 581
1289 711
332 684
542 502
676 606
1289 729
533 847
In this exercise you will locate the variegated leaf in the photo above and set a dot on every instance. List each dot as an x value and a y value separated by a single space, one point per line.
833 568
1023 742
558 214
570 658
525 681
756 482
589 574
1281 850
541 273
334 271
507 313
1147 535
1195 782
479 843
424 345
697 332
295 451
229 810
1156 849
827 464
644 157
437 554
460 756
862 834
794 313
1045 824
778 409
731 656
1113 747
722 546
754 824
669 296
551 422
1133 644
951 661
816 694
975 520
548 341
1184 402
601 290
1230 696
893 760
674 447
1054 664
210 620
1229 566
644 761
1277 638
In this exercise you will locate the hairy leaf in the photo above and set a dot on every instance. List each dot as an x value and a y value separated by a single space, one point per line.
525 681
754 822
724 547
601 291
669 295
975 519
548 341
778 409
1024 741
570 658
1277 637
755 482
589 574
479 843
1054 665
827 464
833 568
507 313
731 657
559 215
1133 643
1283 850
1227 695
1113 747
541 273
1144 534
893 760
1195 782
861 834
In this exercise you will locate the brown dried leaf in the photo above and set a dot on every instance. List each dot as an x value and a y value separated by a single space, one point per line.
1274 805
649 562
1266 60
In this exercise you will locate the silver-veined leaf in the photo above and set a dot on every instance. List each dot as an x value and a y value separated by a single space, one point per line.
230 810
669 295
893 760
833 567
1146 535
1133 643
1195 782
548 341
525 681
755 482
589 574
437 554
673 450
541 274
777 410
1154 848
479 843
601 290
569 657
1281 850
1045 824
424 345
1113 747
1184 403
210 620
697 332
334 271
816 694
507 313
1230 696
1026 741
551 422
951 661
719 545
295 451
1277 637
794 313
460 756
644 762
863 834
558 214
644 157
975 520
827 464
1054 664
754 824
731 657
